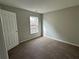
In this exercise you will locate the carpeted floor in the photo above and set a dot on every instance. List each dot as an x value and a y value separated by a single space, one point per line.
44 48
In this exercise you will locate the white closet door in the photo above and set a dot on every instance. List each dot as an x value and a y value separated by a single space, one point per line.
10 31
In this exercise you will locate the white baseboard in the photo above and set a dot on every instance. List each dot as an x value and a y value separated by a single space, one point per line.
61 41
23 41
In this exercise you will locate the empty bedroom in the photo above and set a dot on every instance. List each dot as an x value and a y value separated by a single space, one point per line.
39 29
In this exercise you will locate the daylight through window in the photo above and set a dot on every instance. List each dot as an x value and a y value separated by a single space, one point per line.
33 24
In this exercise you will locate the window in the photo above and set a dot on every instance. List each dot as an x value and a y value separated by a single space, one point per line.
33 24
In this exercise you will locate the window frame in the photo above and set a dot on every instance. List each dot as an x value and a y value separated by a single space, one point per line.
37 26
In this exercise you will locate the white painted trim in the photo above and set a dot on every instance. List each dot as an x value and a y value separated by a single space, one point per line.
23 41
61 40
5 53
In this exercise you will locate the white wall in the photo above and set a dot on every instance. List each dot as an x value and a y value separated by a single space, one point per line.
63 24
23 19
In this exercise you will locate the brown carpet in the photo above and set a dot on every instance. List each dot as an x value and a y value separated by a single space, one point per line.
44 48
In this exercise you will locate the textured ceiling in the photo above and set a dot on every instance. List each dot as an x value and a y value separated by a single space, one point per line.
41 6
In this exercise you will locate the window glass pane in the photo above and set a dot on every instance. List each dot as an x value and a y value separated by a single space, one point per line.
33 24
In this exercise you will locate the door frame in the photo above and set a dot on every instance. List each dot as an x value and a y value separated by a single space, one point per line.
4 54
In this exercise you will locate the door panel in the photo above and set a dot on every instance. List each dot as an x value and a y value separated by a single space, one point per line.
9 29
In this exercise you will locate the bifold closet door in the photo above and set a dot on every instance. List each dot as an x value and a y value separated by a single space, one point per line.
10 31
